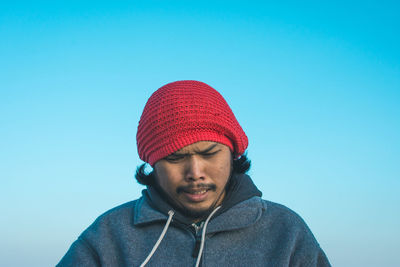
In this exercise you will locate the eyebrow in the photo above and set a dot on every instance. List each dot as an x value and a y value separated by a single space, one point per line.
205 151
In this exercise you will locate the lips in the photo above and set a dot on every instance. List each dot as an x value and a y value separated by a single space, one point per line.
197 195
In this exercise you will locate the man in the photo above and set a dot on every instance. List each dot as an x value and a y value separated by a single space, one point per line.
199 208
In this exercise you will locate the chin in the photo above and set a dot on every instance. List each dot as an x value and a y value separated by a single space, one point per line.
198 213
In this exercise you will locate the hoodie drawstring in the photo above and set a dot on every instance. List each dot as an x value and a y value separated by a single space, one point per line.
170 214
203 236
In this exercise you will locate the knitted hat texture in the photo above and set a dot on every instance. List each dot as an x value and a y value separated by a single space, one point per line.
182 113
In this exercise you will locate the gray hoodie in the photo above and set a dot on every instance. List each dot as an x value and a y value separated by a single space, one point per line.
253 232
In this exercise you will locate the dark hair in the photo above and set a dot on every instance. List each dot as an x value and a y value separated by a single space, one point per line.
240 165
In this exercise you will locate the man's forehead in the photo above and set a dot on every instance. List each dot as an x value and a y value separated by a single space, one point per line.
198 147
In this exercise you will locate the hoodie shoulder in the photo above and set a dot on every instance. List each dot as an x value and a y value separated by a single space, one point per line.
123 210
97 240
281 212
294 236
281 218
117 219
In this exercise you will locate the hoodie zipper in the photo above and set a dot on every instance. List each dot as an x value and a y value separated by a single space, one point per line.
197 231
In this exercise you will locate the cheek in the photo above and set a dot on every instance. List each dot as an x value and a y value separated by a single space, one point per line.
223 173
166 178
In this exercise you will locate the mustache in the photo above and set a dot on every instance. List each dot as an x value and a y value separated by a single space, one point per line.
189 188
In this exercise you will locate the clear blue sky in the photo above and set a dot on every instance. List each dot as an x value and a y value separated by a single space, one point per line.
316 87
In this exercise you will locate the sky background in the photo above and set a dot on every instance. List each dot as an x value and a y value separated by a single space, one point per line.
316 87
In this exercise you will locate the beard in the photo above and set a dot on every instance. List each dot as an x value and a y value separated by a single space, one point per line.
196 214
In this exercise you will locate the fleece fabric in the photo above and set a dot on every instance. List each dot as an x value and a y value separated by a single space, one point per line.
254 232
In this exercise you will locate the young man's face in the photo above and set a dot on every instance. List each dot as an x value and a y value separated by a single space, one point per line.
195 176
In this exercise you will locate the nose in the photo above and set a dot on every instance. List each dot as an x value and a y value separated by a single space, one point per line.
194 169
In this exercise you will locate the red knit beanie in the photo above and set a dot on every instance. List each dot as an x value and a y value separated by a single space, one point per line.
182 113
